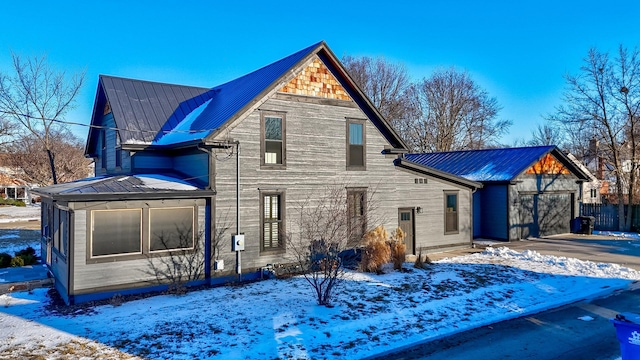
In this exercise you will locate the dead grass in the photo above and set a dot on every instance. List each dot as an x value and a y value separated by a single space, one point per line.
70 350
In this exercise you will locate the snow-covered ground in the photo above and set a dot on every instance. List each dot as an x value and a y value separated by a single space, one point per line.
19 213
13 240
280 319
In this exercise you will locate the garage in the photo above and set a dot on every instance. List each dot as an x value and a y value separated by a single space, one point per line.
545 214
527 191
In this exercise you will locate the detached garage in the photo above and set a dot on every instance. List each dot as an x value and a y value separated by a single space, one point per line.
528 191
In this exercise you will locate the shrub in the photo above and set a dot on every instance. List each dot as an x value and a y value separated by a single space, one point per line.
5 260
27 251
12 202
398 248
376 251
421 263
17 262
27 259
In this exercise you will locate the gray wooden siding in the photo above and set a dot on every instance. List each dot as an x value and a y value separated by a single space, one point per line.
493 213
538 184
316 159
91 277
59 266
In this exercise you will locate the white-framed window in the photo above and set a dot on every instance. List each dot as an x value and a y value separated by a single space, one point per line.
273 144
171 228
116 232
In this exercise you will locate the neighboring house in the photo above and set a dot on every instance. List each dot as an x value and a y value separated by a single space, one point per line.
528 191
590 191
14 188
295 127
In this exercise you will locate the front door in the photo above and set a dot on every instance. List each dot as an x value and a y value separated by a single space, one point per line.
405 222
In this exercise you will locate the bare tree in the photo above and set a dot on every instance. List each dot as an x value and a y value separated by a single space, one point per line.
7 132
454 113
37 97
603 100
386 84
29 157
547 134
322 234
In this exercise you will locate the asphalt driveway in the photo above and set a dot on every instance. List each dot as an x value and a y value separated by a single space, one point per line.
597 248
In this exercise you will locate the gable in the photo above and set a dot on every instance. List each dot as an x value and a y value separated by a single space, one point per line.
548 165
316 80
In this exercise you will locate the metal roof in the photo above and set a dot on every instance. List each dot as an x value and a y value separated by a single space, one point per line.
489 164
226 100
166 115
119 186
143 107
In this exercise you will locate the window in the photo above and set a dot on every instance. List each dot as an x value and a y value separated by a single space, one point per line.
356 151
594 193
273 143
451 212
116 232
171 228
357 212
103 144
272 221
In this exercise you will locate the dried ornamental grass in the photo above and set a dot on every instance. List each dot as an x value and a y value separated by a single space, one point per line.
376 251
398 248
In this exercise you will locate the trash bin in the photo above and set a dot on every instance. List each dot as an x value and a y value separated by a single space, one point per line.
628 332
575 225
586 224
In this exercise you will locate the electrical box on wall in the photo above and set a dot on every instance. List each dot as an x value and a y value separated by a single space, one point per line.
237 242
218 265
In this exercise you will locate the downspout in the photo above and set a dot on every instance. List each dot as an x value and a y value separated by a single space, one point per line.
208 221
238 257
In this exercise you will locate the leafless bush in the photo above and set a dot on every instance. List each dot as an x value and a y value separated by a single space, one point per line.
181 262
322 230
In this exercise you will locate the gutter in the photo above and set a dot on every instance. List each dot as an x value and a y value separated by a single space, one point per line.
410 165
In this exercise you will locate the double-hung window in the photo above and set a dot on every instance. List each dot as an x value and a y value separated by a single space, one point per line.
272 204
273 144
356 149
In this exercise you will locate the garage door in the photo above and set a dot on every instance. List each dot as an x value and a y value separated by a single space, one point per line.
545 214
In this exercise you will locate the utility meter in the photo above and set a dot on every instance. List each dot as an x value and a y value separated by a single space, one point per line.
237 242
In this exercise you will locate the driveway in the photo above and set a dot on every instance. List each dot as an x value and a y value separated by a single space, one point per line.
597 248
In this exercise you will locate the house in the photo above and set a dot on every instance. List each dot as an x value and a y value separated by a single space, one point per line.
590 191
174 162
12 187
527 191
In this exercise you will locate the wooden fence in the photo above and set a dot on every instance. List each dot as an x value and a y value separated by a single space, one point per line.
607 216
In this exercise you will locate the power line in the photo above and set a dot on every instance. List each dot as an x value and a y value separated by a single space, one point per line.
106 127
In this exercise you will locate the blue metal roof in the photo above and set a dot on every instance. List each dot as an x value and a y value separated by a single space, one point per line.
483 165
226 100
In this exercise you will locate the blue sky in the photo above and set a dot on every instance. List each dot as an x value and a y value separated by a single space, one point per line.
516 50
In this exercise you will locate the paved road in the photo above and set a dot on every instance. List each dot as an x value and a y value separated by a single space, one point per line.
554 334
